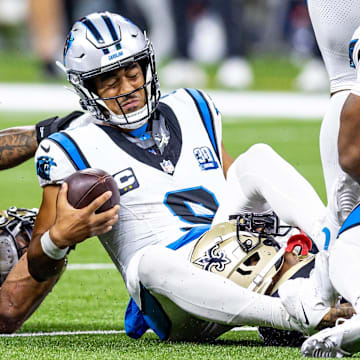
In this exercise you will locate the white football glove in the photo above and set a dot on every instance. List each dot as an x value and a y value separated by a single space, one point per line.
308 300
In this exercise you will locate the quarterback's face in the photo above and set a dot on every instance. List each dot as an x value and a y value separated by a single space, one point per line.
119 82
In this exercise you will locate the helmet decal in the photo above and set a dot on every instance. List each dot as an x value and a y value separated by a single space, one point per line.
214 257
68 42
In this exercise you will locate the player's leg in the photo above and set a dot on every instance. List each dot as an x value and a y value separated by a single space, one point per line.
342 191
334 23
328 140
261 181
205 295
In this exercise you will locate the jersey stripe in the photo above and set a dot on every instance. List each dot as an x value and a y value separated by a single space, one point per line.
206 116
191 235
72 150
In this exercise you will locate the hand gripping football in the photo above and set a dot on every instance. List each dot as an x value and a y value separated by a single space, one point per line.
86 185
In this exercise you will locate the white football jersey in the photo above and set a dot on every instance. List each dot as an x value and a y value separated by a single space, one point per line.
162 196
334 23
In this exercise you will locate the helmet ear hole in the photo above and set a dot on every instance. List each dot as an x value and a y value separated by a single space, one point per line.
252 260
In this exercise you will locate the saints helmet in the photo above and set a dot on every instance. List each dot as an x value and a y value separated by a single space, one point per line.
243 250
16 226
103 42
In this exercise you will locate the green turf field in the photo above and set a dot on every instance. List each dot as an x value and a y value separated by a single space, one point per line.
85 300
24 67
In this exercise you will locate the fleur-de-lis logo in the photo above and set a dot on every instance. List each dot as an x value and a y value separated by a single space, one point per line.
213 258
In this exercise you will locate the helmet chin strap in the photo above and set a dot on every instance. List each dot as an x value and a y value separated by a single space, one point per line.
123 121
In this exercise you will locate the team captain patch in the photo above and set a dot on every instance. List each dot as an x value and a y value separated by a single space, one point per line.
126 180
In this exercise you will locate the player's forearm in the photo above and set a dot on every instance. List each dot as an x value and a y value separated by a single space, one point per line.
41 266
20 296
349 137
344 311
17 145
227 160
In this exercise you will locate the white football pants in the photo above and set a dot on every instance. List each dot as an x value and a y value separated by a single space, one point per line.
190 295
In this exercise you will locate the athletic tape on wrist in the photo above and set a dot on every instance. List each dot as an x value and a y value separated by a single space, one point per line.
50 249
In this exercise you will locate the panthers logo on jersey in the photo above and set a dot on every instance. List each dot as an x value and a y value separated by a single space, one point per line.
43 165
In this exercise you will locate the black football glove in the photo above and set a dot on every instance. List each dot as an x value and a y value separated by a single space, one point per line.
54 124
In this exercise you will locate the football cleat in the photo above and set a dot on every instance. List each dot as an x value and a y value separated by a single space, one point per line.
337 342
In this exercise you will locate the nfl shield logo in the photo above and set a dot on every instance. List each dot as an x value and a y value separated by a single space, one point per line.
167 166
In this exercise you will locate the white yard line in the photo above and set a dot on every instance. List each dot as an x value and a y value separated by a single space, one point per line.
95 332
55 99
90 266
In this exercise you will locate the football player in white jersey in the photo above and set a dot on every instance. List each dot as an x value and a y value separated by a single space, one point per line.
344 339
334 23
167 157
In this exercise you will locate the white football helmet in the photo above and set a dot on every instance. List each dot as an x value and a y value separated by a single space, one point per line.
102 42
243 250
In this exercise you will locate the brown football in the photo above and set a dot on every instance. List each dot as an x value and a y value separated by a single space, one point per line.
86 185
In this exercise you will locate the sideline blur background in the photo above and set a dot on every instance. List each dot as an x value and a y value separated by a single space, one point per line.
225 44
